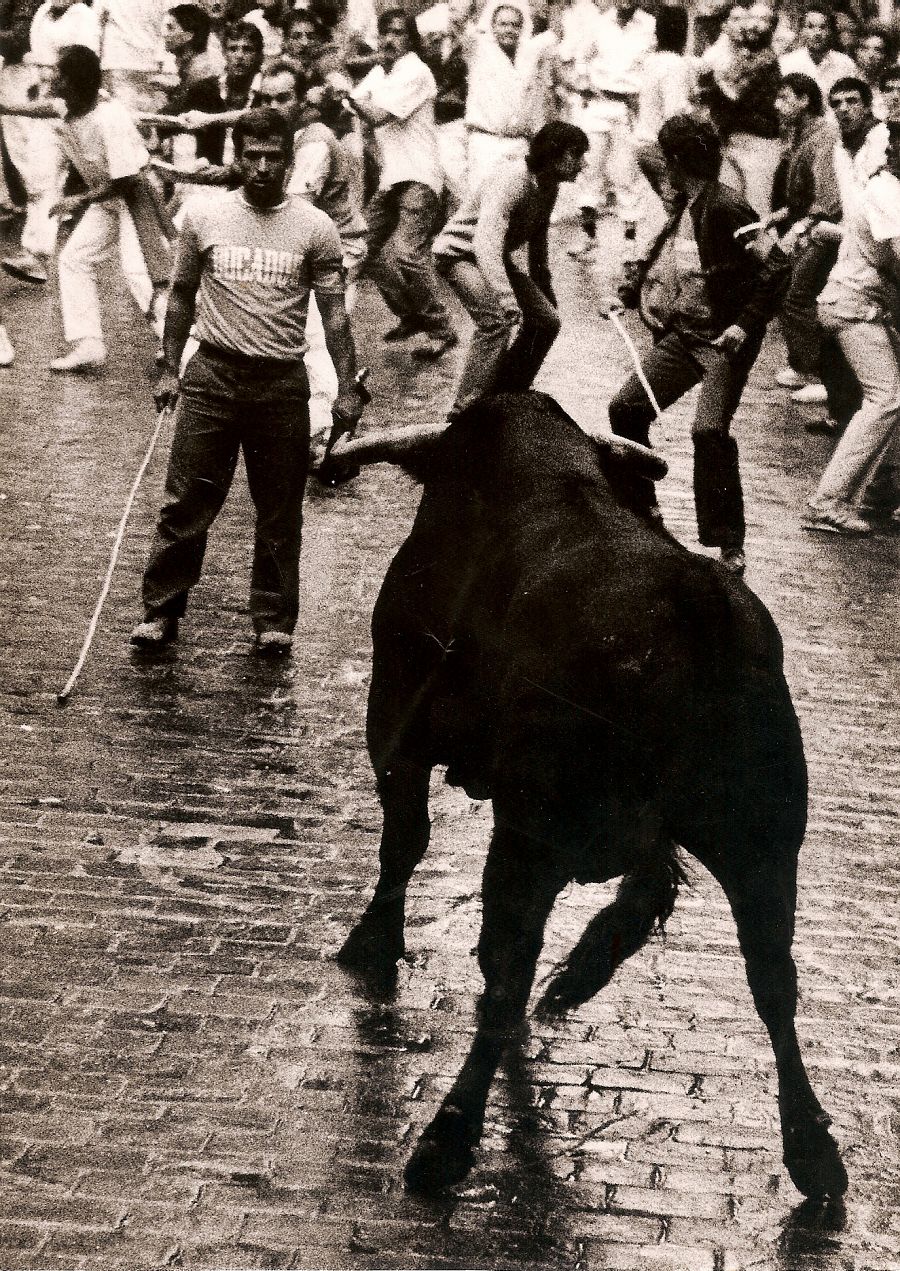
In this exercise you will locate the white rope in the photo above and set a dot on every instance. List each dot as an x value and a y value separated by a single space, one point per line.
639 370
63 695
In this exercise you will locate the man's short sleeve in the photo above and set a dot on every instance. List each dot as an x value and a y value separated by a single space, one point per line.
126 154
187 265
409 86
326 266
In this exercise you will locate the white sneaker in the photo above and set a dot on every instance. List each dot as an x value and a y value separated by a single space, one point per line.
7 352
85 355
789 378
582 246
810 395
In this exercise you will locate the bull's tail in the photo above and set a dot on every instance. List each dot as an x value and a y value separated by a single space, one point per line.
643 904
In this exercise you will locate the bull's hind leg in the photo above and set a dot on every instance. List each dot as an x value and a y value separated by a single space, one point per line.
762 896
519 889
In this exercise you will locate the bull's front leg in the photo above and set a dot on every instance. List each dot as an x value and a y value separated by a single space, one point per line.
376 943
518 892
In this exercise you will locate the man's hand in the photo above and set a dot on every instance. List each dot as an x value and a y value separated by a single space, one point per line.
165 394
194 120
70 205
348 407
610 304
731 340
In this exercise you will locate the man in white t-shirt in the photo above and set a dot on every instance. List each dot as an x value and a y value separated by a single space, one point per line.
397 99
244 269
100 141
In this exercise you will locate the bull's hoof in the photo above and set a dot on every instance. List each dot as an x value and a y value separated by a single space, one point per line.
812 1159
443 1156
372 949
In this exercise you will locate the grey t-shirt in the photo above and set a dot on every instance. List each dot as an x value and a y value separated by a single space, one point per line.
255 270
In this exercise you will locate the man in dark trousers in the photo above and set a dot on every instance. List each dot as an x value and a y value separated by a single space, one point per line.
708 296
245 265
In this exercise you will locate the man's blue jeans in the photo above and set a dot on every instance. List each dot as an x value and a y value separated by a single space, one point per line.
402 222
228 404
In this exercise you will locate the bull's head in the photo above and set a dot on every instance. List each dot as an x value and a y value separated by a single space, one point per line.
411 447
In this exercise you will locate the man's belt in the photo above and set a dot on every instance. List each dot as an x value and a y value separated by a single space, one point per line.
249 360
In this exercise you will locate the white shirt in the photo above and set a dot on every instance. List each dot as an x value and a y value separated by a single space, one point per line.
621 50
103 145
78 25
833 66
273 37
508 96
408 141
665 91
132 33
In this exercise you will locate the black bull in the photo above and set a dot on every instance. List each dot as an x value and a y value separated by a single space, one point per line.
614 695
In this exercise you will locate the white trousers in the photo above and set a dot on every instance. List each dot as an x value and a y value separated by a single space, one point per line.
452 149
34 151
873 434
93 241
610 163
485 151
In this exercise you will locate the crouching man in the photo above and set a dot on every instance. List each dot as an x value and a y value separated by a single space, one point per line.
707 292
515 314
244 268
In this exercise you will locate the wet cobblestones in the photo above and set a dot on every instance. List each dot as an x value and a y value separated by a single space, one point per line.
187 1078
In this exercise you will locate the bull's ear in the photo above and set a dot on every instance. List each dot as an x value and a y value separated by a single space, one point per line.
409 448
639 460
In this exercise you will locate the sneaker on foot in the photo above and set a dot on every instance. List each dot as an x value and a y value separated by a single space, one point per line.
789 378
835 520
155 633
84 355
435 346
26 266
822 424
810 395
733 559
7 352
273 644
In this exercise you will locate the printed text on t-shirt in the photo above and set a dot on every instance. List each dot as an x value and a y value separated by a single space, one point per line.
257 264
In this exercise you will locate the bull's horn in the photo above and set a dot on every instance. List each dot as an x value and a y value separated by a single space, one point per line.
649 463
389 445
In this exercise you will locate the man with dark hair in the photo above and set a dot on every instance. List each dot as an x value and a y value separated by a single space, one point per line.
809 194
474 253
708 296
245 265
397 99
99 139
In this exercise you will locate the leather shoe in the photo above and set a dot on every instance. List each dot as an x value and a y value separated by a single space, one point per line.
155 633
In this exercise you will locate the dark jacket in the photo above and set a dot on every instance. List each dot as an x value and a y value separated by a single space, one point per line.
743 289
15 28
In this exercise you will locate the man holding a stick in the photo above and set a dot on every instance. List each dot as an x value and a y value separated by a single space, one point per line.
245 265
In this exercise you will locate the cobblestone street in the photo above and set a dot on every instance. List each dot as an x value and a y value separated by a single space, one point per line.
189 1080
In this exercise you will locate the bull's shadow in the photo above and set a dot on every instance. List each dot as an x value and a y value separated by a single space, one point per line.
618 698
